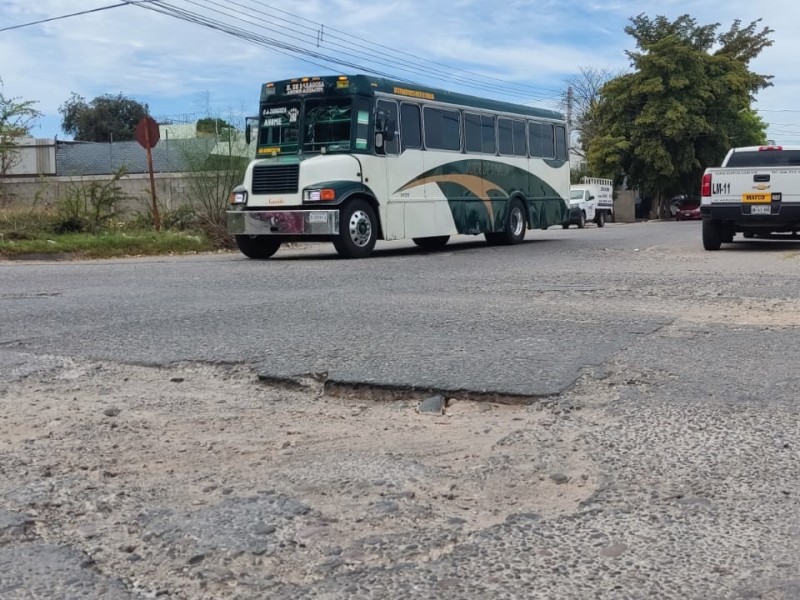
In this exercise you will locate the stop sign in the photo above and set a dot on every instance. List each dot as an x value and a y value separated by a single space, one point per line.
147 133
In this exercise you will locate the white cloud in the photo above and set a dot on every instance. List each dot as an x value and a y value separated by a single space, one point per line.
180 67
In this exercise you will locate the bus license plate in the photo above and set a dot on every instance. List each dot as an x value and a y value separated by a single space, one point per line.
761 210
320 217
757 197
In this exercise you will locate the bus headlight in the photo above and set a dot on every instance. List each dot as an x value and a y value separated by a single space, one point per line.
238 197
323 195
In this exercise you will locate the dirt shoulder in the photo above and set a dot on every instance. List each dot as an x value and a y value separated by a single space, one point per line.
195 480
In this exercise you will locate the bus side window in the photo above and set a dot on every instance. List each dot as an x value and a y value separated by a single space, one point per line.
548 142
472 133
479 135
504 136
540 139
442 129
488 135
410 126
561 143
519 138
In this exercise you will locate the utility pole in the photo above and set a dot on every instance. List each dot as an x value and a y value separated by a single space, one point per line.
570 99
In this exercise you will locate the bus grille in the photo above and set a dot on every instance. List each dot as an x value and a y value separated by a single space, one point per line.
276 179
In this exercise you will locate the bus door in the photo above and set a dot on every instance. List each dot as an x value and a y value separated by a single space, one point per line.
387 120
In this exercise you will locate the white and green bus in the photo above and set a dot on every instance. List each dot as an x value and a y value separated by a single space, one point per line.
356 159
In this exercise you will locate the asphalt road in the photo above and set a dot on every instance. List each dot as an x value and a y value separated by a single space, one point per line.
672 368
468 317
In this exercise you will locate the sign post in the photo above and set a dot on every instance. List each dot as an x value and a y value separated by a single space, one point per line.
147 134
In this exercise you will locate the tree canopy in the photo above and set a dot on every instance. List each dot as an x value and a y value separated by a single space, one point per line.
16 119
107 118
214 127
686 103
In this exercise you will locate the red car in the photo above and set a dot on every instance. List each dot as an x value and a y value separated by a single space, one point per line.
688 210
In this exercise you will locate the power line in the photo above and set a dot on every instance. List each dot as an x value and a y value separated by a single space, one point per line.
324 32
328 48
76 14
296 47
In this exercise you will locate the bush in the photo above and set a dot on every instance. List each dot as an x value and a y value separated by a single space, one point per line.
182 218
26 224
212 179
90 207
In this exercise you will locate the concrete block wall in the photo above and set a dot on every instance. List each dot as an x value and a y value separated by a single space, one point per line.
172 189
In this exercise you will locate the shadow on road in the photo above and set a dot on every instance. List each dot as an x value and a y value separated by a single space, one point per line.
328 253
772 243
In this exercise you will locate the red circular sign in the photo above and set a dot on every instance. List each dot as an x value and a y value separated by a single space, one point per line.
147 133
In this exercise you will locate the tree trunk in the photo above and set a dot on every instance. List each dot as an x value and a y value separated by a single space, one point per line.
655 207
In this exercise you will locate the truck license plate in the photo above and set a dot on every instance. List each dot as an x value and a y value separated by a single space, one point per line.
760 210
318 217
756 197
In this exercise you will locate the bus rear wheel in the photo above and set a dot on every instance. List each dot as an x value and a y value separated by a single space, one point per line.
437 241
257 246
358 230
514 226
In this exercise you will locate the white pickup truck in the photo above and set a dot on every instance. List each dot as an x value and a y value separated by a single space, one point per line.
756 191
591 200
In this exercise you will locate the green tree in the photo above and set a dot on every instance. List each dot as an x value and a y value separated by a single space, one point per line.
686 103
107 118
215 127
16 119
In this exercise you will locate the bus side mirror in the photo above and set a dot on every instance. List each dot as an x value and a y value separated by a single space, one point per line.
249 123
390 130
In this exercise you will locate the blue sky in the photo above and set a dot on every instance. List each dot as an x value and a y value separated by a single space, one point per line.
519 50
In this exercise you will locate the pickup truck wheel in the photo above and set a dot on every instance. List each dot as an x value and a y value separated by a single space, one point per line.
600 219
565 225
257 246
712 234
582 220
358 230
438 241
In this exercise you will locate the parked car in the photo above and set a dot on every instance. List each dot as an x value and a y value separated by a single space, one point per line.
688 210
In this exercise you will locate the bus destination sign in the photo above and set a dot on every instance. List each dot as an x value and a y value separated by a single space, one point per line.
305 87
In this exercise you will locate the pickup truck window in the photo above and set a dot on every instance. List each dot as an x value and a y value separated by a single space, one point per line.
765 158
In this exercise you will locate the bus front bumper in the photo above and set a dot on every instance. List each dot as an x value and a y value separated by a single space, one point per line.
283 222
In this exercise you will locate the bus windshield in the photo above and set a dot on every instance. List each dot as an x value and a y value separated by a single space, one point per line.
326 126
279 127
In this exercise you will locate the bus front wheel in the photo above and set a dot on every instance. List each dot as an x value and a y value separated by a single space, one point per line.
358 230
257 246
